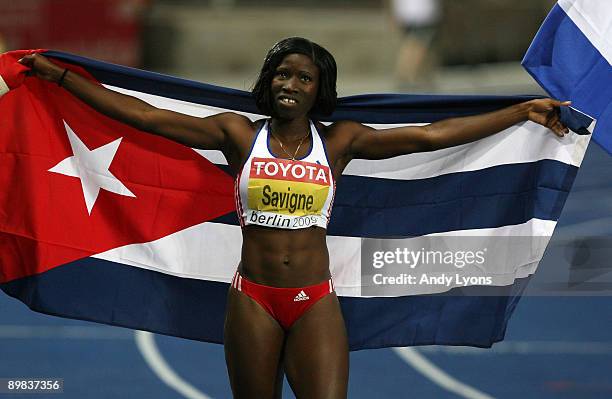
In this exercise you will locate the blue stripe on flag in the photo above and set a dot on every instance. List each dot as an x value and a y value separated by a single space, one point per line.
107 292
493 197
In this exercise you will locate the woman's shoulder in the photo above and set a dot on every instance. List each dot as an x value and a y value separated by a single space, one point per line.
240 130
238 121
339 136
343 128
340 125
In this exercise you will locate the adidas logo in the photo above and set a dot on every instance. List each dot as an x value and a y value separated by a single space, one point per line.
301 297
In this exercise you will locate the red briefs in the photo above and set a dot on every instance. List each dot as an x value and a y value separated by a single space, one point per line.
285 305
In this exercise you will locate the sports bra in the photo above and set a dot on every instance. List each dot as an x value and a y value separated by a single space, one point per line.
282 193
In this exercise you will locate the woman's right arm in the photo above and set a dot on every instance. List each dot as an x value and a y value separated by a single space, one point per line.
205 133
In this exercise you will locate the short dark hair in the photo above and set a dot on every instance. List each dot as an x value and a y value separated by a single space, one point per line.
325 102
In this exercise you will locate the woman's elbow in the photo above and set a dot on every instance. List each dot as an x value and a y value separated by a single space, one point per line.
425 142
145 120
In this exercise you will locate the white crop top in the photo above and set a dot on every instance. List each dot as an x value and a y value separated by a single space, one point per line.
282 193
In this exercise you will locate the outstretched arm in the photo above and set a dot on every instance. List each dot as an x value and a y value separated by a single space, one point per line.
368 143
204 133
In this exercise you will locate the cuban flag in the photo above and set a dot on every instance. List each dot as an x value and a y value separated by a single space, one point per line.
101 222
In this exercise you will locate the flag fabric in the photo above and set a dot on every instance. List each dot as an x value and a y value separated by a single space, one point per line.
101 222
571 58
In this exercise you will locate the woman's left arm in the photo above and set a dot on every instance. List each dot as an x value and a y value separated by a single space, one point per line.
368 143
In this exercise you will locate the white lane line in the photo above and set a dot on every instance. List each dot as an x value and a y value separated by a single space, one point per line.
438 376
145 341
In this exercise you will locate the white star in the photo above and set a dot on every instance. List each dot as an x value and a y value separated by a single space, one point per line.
92 168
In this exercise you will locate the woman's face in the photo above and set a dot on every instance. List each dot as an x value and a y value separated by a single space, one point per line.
294 86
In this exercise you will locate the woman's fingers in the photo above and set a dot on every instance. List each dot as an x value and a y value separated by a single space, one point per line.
30 59
549 116
554 123
25 60
546 113
559 128
558 103
553 118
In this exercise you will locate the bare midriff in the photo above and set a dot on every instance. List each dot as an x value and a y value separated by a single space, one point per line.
284 258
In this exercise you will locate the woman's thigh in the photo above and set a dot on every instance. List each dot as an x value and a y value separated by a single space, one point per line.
253 348
316 352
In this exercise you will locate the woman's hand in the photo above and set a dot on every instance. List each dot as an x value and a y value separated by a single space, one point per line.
42 67
545 111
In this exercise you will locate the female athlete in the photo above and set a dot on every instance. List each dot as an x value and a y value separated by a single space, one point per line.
283 315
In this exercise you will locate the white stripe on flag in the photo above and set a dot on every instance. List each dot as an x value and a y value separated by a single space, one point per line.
3 87
594 19
527 142
187 254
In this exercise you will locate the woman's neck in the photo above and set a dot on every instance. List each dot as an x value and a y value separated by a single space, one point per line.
290 130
